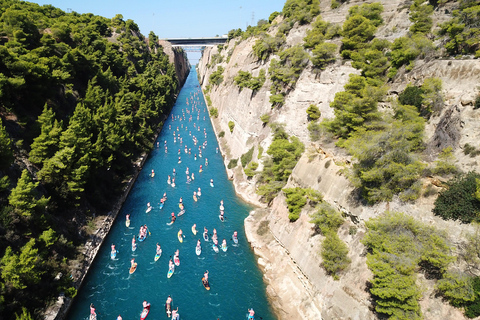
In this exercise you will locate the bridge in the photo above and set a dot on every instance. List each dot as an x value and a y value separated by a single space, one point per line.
196 42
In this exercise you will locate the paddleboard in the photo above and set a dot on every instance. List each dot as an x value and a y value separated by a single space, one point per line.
180 205
215 248
205 284
133 268
157 256
195 198
205 236
180 213
93 316
180 236
194 231
222 208
176 260
198 250
211 184
113 254
224 248
161 205
145 312
221 218
235 240
170 272
134 247
127 223
148 209
169 223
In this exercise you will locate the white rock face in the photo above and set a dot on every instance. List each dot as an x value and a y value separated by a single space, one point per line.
297 284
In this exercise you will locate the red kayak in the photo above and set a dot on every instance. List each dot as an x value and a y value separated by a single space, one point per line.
145 312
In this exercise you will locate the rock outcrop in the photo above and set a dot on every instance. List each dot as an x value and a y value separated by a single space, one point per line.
289 252
178 57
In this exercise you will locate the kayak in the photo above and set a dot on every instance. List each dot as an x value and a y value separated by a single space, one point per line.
215 248
145 312
170 272
157 256
113 254
194 230
133 268
176 260
127 223
206 284
180 236
205 236
198 250
224 248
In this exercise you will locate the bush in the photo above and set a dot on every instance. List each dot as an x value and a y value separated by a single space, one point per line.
326 218
323 54
216 77
265 118
458 201
231 125
277 100
295 198
472 310
412 96
247 157
214 112
398 245
476 105
232 163
250 169
302 11
457 288
315 130
471 150
313 112
445 163
334 254
267 45
221 134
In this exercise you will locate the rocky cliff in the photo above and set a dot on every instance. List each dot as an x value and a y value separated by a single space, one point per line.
289 252
178 57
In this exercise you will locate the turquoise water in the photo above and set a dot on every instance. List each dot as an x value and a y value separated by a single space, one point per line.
235 280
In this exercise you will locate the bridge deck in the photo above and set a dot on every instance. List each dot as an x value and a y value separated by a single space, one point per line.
196 41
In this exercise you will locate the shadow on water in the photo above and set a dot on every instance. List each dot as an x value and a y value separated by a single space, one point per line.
235 280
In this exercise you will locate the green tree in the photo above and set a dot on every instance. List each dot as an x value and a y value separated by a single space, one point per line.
323 54
457 288
326 218
313 112
21 270
47 143
24 316
334 254
6 153
23 196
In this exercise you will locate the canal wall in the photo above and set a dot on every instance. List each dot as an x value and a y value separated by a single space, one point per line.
59 310
289 252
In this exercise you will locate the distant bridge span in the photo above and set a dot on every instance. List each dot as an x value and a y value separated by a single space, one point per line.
194 42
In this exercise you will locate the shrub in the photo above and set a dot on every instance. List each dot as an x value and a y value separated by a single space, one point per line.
231 125
472 310
302 11
315 130
323 54
445 163
457 288
432 95
277 100
458 201
313 112
265 118
250 169
313 196
232 163
326 218
420 15
412 96
214 112
398 244
295 198
334 254
267 45
221 134
476 105
217 77
471 150
260 152
247 157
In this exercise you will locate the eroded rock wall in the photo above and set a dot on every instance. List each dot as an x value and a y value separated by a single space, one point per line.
296 282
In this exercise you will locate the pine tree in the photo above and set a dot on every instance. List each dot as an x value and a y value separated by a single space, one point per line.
6 153
46 144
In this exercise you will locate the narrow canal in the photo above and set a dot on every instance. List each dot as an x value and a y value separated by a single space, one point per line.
235 279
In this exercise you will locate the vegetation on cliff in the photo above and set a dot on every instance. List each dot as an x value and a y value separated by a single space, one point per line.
81 97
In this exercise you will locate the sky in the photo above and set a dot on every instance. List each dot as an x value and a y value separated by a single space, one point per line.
183 19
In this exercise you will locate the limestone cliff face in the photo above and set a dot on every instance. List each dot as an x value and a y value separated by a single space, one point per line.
178 57
289 252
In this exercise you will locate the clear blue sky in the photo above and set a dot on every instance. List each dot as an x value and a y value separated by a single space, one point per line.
185 18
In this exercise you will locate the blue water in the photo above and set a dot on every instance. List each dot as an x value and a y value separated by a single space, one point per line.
235 280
